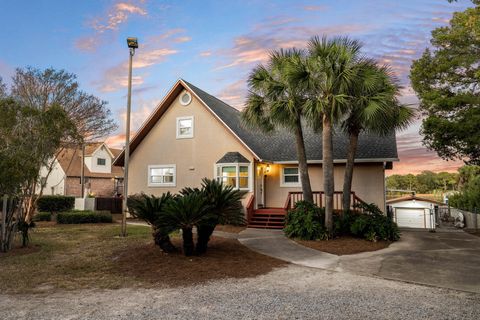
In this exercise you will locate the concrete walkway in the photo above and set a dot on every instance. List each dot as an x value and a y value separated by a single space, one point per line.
442 259
274 243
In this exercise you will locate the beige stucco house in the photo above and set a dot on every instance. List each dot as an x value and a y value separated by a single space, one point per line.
192 134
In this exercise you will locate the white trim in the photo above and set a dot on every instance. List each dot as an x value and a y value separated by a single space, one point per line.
181 95
161 166
289 184
219 119
177 128
237 171
340 161
99 147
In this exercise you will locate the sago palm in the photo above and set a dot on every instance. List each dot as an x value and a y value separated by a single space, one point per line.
225 208
275 100
150 209
184 212
373 107
330 73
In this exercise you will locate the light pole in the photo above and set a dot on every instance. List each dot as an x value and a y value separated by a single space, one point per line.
132 45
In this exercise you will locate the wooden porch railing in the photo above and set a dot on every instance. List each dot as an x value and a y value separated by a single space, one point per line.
319 199
250 208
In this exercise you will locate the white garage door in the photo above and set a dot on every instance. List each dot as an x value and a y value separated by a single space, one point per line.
412 217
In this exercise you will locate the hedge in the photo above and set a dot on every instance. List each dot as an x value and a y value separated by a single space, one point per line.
55 203
77 217
43 216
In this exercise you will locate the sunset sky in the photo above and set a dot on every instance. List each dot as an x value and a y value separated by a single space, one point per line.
212 44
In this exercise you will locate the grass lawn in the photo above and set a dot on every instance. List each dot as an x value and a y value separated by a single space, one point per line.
93 256
344 245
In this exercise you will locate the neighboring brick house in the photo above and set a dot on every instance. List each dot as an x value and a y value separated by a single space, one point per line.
101 178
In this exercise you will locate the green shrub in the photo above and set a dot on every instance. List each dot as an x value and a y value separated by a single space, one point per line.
373 225
55 203
43 216
306 222
77 217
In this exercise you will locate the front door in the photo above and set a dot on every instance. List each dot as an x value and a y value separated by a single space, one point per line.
260 187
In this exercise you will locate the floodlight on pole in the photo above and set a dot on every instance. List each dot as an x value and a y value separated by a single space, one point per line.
132 45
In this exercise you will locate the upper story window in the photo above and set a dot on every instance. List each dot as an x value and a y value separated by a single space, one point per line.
234 174
290 177
162 175
184 127
101 161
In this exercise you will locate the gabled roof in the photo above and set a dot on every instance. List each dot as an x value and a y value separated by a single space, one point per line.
413 197
70 159
278 146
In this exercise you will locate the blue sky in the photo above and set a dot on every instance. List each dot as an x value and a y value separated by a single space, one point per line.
212 44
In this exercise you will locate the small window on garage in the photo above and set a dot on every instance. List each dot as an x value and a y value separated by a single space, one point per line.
101 161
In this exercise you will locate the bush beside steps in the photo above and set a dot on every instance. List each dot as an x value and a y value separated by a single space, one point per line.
77 217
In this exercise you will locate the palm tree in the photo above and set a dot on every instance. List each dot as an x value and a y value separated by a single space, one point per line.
274 100
149 209
330 73
184 212
373 107
225 208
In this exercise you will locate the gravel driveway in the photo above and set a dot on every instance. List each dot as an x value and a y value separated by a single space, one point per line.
292 292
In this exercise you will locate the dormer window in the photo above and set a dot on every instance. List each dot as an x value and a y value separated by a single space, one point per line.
184 127
101 161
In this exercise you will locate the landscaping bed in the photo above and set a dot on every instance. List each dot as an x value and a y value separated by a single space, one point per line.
229 228
93 256
344 245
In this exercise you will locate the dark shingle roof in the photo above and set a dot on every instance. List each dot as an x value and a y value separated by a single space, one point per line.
233 157
280 145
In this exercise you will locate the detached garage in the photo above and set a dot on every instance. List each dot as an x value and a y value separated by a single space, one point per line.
413 212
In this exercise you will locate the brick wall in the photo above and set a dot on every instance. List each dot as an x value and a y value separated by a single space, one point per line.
103 187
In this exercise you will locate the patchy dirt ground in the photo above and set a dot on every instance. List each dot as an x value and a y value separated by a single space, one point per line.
344 245
226 258
93 256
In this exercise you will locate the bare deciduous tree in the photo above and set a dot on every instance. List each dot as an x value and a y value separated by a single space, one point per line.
43 88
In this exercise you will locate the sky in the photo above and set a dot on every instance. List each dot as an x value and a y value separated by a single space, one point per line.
212 44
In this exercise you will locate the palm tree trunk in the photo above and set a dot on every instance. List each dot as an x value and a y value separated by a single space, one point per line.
188 245
328 180
302 163
348 176
204 232
162 240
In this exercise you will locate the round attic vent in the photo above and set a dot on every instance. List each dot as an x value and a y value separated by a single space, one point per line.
185 98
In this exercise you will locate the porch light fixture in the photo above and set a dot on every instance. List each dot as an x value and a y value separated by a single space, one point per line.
267 169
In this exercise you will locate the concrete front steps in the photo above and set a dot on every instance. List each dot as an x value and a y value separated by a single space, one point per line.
268 218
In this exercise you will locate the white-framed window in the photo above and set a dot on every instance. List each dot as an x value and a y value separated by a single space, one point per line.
290 177
162 175
237 175
101 161
184 127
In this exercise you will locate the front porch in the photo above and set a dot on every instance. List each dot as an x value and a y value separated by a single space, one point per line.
274 217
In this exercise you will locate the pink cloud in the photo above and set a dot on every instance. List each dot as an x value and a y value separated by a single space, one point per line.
205 53
116 15
234 94
254 47
156 50
314 8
